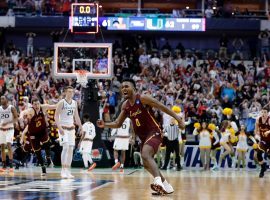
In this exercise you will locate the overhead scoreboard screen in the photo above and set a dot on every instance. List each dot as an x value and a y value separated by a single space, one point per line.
152 24
84 18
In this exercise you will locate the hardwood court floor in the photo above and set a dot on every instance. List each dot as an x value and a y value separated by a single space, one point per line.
104 184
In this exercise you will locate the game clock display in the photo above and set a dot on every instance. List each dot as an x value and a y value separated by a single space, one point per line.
84 18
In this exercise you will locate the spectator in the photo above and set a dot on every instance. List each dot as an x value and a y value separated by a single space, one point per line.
228 92
30 43
38 7
209 12
223 44
264 37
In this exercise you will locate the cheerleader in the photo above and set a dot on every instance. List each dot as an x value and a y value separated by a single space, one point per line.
227 139
215 146
204 144
242 147
182 138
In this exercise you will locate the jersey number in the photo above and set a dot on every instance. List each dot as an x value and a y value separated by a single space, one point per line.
137 122
70 112
4 116
38 124
124 126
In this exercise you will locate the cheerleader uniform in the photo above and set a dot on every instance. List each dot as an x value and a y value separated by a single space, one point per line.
242 143
205 141
225 137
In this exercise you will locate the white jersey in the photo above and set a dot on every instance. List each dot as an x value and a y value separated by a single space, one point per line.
124 130
89 129
67 113
6 115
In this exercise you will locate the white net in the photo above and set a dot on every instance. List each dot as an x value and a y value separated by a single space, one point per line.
81 77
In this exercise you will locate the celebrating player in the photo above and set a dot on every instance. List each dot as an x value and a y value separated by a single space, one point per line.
37 131
139 109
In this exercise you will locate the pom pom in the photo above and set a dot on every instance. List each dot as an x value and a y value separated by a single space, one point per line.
197 125
255 146
227 111
232 131
234 139
176 109
212 126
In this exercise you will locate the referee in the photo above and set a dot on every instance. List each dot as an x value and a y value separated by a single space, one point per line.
172 132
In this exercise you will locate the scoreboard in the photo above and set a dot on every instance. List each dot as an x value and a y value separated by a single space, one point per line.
84 18
152 24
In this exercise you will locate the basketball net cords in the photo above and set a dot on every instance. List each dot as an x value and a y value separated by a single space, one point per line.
82 77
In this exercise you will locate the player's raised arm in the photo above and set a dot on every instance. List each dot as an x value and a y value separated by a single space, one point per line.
115 124
148 100
46 107
56 117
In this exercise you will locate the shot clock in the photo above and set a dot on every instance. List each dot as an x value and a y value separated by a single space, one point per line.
84 18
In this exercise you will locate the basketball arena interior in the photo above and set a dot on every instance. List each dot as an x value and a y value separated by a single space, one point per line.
134 99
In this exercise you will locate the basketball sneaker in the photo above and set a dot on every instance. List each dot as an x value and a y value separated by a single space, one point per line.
116 166
215 168
63 173
69 175
158 186
121 170
169 189
92 167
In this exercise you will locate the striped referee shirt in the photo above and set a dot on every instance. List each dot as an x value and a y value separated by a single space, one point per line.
172 131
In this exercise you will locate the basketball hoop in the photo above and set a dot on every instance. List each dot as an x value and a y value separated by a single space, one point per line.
82 77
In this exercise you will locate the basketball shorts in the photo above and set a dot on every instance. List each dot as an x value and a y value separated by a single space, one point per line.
154 141
6 136
38 140
68 137
86 147
121 144
264 146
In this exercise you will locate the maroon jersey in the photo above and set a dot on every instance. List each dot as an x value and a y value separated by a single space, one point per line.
142 117
263 127
37 124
